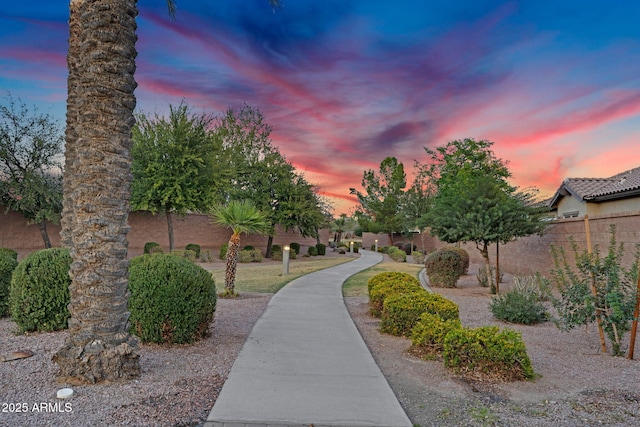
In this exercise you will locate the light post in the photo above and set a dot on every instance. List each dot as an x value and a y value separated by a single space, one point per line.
285 260
376 245
351 248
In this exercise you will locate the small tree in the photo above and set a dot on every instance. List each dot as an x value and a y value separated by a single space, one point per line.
30 170
174 168
240 217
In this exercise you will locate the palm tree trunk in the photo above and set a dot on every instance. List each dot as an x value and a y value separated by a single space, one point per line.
96 192
232 265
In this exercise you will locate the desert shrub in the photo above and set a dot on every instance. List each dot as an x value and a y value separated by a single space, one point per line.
223 250
276 253
536 284
418 257
397 254
172 300
248 248
252 255
427 336
322 248
401 283
193 247
312 251
444 268
385 249
294 247
463 254
186 254
487 353
205 256
388 276
152 248
7 251
519 305
7 264
401 312
356 247
343 248
39 292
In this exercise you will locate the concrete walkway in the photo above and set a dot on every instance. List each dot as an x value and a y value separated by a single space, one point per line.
305 363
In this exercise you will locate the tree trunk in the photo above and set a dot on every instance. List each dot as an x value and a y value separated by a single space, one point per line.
269 246
45 236
232 264
97 191
485 254
170 227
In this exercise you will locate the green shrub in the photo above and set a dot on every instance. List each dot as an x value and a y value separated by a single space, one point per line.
252 255
322 249
193 247
401 312
223 250
186 254
205 256
172 300
293 246
276 253
418 257
388 276
519 305
152 248
487 352
248 248
397 254
7 251
7 264
39 292
399 285
385 249
444 268
427 336
312 251
463 254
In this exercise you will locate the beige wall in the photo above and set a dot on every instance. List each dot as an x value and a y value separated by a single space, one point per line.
16 234
571 204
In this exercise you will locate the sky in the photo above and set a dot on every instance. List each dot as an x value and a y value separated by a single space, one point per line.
344 84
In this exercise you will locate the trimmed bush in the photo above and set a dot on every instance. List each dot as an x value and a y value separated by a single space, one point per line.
519 305
276 253
293 246
388 276
403 283
223 250
248 248
7 251
39 292
172 300
322 249
444 268
186 254
400 313
193 247
397 254
312 251
253 255
152 248
418 257
427 336
463 254
487 353
7 264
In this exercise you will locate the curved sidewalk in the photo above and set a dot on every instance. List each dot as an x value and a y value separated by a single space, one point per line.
305 363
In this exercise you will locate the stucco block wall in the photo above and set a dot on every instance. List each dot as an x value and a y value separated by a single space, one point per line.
16 234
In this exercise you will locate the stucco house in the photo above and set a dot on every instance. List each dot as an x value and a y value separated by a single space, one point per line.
577 197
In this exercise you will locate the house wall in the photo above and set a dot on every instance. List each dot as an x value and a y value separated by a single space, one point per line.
16 234
571 204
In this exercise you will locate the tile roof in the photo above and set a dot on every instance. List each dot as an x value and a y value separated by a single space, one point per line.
621 185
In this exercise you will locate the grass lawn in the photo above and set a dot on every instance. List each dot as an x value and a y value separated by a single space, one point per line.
356 285
268 278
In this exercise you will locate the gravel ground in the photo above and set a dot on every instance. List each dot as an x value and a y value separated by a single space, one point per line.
577 385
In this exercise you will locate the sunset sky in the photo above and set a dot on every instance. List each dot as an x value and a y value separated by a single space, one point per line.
555 84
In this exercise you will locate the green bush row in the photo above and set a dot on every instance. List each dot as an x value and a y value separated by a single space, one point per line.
384 285
401 312
250 255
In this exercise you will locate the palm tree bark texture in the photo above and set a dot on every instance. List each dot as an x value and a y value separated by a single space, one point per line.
97 179
232 264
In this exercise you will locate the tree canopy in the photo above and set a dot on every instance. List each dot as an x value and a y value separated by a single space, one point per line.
30 164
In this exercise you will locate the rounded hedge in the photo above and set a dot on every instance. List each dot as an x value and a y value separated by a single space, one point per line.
7 265
427 336
444 268
39 292
322 248
401 312
193 247
9 251
386 284
172 299
463 254
152 247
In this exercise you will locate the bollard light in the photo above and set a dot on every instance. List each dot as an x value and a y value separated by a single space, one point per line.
350 247
376 245
285 260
